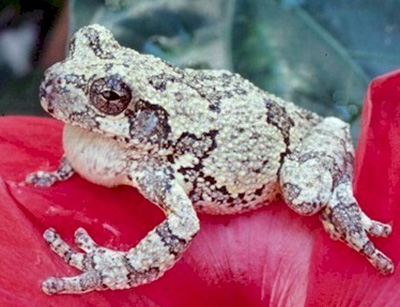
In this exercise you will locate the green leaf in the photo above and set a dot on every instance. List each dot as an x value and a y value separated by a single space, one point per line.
290 54
21 96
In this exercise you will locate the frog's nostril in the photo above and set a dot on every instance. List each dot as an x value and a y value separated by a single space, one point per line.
45 92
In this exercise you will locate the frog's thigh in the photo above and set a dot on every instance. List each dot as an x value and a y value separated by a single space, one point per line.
309 174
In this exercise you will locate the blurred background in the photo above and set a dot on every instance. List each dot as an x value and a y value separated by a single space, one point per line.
319 54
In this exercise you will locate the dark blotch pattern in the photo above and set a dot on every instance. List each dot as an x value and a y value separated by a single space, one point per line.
94 44
278 117
149 123
175 244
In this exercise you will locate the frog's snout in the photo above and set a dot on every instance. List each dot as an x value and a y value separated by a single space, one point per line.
45 90
52 90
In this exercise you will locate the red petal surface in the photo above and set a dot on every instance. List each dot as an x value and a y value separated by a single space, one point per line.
267 257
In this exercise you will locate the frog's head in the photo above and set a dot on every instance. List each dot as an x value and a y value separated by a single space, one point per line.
102 87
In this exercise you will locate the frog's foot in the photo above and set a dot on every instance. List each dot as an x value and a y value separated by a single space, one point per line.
41 179
47 179
343 219
102 268
108 269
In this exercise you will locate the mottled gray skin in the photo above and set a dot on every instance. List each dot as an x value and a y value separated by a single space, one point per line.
189 140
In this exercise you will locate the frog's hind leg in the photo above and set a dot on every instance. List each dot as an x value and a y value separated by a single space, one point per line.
343 219
316 177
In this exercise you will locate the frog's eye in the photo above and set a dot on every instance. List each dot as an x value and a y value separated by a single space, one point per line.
110 95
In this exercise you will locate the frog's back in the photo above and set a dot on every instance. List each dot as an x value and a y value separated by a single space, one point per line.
230 157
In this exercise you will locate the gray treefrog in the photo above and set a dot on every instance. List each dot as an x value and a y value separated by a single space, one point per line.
190 141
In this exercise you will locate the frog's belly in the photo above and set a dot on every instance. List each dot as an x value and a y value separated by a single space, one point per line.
97 159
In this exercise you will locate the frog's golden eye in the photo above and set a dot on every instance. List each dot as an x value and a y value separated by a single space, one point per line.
110 95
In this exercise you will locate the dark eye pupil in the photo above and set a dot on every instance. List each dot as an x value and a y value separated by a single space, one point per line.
110 95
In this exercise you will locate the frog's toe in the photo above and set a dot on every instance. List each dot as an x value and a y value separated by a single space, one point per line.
85 282
375 228
63 250
40 179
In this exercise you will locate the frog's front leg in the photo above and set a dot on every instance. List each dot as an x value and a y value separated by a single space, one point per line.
47 179
317 177
157 252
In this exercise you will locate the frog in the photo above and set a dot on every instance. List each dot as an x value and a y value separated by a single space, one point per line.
190 141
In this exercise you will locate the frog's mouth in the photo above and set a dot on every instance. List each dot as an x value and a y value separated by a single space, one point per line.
64 106
59 97
77 119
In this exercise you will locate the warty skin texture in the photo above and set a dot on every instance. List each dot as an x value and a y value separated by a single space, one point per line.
189 140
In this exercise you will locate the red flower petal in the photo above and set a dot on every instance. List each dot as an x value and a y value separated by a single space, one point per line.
269 256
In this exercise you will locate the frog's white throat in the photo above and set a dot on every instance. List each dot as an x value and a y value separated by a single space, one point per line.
95 157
